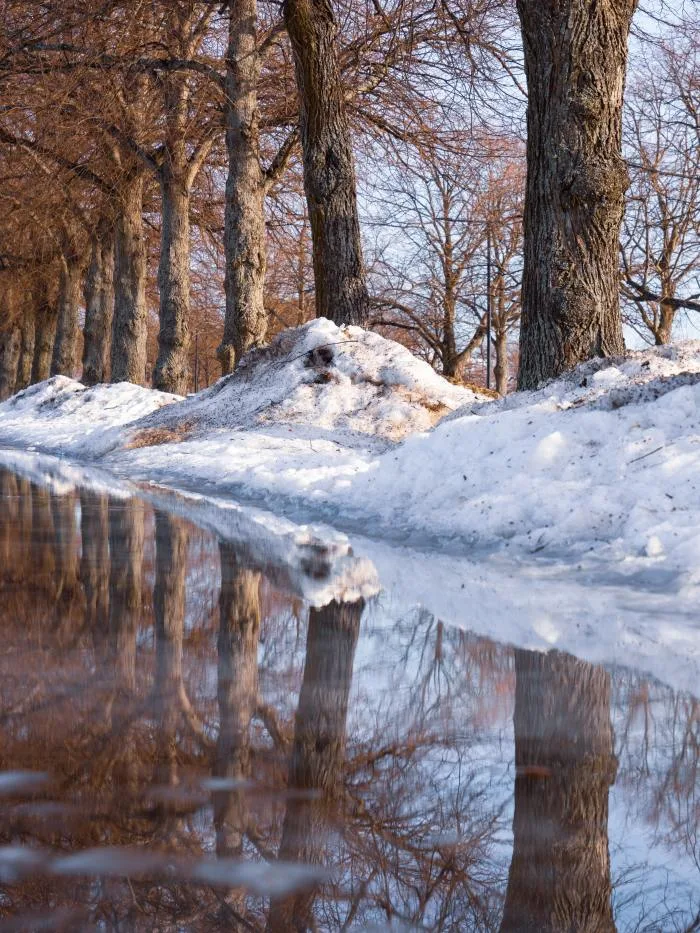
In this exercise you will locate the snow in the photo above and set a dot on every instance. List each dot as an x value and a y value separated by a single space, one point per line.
595 475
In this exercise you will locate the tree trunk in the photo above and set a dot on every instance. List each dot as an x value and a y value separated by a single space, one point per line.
26 351
126 531
564 765
10 345
318 753
329 170
99 309
68 599
46 316
663 333
64 361
169 609
239 629
245 323
94 566
171 373
128 351
501 368
575 61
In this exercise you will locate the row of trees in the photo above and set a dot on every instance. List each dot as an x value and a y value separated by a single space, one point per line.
188 167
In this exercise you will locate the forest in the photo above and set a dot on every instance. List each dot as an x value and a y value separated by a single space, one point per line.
182 180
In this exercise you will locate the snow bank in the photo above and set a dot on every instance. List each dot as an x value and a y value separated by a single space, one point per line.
339 383
64 416
338 424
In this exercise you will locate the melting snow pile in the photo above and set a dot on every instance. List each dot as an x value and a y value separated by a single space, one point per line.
342 383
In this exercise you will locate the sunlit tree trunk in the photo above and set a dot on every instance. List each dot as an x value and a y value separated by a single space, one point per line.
575 62
10 345
46 317
501 368
329 170
169 608
26 349
64 360
171 373
318 752
126 534
128 345
9 514
42 547
67 543
99 308
560 871
94 566
245 322
237 693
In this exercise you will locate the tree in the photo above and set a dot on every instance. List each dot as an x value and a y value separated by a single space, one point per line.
564 765
660 246
329 169
575 62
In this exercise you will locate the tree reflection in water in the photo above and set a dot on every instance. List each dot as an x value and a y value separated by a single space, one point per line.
255 731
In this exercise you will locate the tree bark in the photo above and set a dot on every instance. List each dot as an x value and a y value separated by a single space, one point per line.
245 322
68 598
126 533
169 608
239 629
171 373
501 368
318 753
564 765
64 361
26 351
94 566
46 316
329 170
128 350
99 309
575 62
10 344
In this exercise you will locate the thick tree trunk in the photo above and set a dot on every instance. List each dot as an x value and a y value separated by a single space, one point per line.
126 533
46 316
94 566
10 345
564 765
501 368
169 608
171 373
329 170
26 350
128 351
239 629
99 309
64 361
68 598
245 323
42 548
318 753
575 61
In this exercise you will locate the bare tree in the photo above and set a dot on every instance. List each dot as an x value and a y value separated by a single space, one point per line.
329 168
575 62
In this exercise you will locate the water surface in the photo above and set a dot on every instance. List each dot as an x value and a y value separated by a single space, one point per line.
188 744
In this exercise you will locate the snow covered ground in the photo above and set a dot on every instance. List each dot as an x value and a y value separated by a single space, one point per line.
600 468
570 515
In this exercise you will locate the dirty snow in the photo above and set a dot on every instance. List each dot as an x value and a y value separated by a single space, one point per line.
602 466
